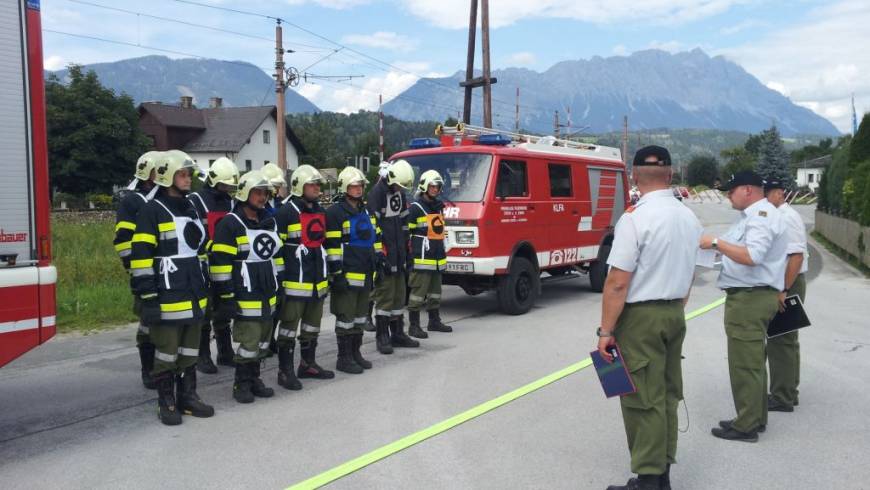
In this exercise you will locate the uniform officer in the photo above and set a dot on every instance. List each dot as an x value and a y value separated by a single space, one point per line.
753 267
783 351
652 263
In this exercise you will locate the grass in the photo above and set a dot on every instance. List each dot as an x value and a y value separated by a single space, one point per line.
842 254
93 291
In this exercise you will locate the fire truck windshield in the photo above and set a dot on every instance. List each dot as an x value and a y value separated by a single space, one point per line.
464 174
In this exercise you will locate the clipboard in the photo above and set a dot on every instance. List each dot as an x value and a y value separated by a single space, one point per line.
793 318
613 376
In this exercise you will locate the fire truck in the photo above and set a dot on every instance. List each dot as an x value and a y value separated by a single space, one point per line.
518 205
27 277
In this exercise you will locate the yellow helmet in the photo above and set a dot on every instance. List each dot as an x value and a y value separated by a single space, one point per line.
430 177
223 171
145 164
169 163
305 174
351 175
274 174
252 180
401 174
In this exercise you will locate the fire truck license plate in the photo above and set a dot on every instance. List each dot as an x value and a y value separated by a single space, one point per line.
460 267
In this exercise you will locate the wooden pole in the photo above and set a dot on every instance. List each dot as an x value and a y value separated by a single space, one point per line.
279 89
469 65
487 84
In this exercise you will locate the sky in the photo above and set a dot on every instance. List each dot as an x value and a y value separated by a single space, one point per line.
814 52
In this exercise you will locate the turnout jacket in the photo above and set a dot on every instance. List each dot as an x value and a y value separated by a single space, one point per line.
390 209
165 261
426 223
353 237
241 265
303 231
125 224
211 205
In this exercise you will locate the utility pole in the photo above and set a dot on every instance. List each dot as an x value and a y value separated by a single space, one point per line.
625 143
486 80
517 117
381 128
279 89
556 125
487 85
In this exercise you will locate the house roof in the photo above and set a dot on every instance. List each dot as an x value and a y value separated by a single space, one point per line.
173 116
820 162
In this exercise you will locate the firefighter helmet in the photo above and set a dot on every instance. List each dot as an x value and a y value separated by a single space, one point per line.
349 176
274 174
252 180
145 164
223 171
430 177
169 163
401 174
305 174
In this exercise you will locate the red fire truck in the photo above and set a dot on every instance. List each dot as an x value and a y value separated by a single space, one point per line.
517 205
27 278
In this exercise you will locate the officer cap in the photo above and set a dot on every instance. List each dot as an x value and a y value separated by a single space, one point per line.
744 177
771 184
662 154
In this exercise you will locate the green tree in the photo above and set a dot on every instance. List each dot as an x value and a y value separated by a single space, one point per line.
860 148
773 160
736 159
702 170
93 135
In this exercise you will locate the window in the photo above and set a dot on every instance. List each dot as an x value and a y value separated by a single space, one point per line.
465 174
513 179
247 165
811 178
266 136
560 180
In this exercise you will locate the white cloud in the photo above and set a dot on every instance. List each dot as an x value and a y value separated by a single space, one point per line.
522 58
620 50
669 46
53 63
742 26
351 97
381 40
778 87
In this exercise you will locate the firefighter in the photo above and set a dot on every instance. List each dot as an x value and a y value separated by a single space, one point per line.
125 226
302 223
389 204
212 203
426 223
167 275
243 275
275 176
353 248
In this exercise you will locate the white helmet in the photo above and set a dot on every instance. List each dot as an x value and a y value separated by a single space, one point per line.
430 177
350 175
274 174
305 174
223 171
401 174
252 180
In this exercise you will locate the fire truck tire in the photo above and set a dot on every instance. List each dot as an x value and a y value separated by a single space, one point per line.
518 290
598 270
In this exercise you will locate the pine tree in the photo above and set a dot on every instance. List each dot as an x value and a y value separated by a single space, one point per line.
773 160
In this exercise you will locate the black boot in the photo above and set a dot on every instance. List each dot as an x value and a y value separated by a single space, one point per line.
223 339
146 357
642 482
258 388
382 334
308 367
242 385
188 400
356 343
204 363
665 479
398 337
414 329
435 324
369 326
167 410
286 374
345 362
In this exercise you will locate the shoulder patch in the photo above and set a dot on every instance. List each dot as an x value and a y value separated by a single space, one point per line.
763 214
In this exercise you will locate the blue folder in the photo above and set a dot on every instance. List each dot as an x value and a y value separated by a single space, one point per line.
614 375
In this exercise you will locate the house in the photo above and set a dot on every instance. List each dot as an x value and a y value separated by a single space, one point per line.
809 172
246 135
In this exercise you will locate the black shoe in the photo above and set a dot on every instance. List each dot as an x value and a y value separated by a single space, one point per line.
188 400
146 357
223 339
435 324
732 434
286 375
356 343
243 383
308 367
204 363
258 388
774 405
414 329
398 338
642 482
382 335
726 424
345 362
167 410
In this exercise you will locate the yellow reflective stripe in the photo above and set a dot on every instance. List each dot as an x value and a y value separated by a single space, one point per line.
421 219
333 251
241 240
145 238
378 246
356 275
283 236
333 234
125 225
220 269
250 305
208 244
279 260
322 285
181 306
161 227
227 249
123 246
298 285
203 257
378 230
412 226
373 220
141 263
425 261
203 303
273 301
294 227
442 261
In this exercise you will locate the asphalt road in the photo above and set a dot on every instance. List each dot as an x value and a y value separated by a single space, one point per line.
73 413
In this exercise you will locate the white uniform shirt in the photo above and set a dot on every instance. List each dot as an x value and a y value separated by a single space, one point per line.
762 230
796 233
657 240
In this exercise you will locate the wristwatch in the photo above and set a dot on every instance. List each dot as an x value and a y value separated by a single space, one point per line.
602 333
715 244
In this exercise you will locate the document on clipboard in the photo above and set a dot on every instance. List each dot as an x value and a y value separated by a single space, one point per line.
794 317
614 375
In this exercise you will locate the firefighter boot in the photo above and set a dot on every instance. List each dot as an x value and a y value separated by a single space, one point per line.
369 326
435 324
382 335
188 400
258 388
286 374
146 356
414 329
356 343
204 363
242 385
167 411
223 339
308 367
398 337
345 362
642 482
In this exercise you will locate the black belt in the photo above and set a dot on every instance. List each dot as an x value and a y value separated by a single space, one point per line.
655 302
754 288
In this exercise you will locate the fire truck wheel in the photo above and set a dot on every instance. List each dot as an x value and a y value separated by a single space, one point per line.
598 270
518 290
